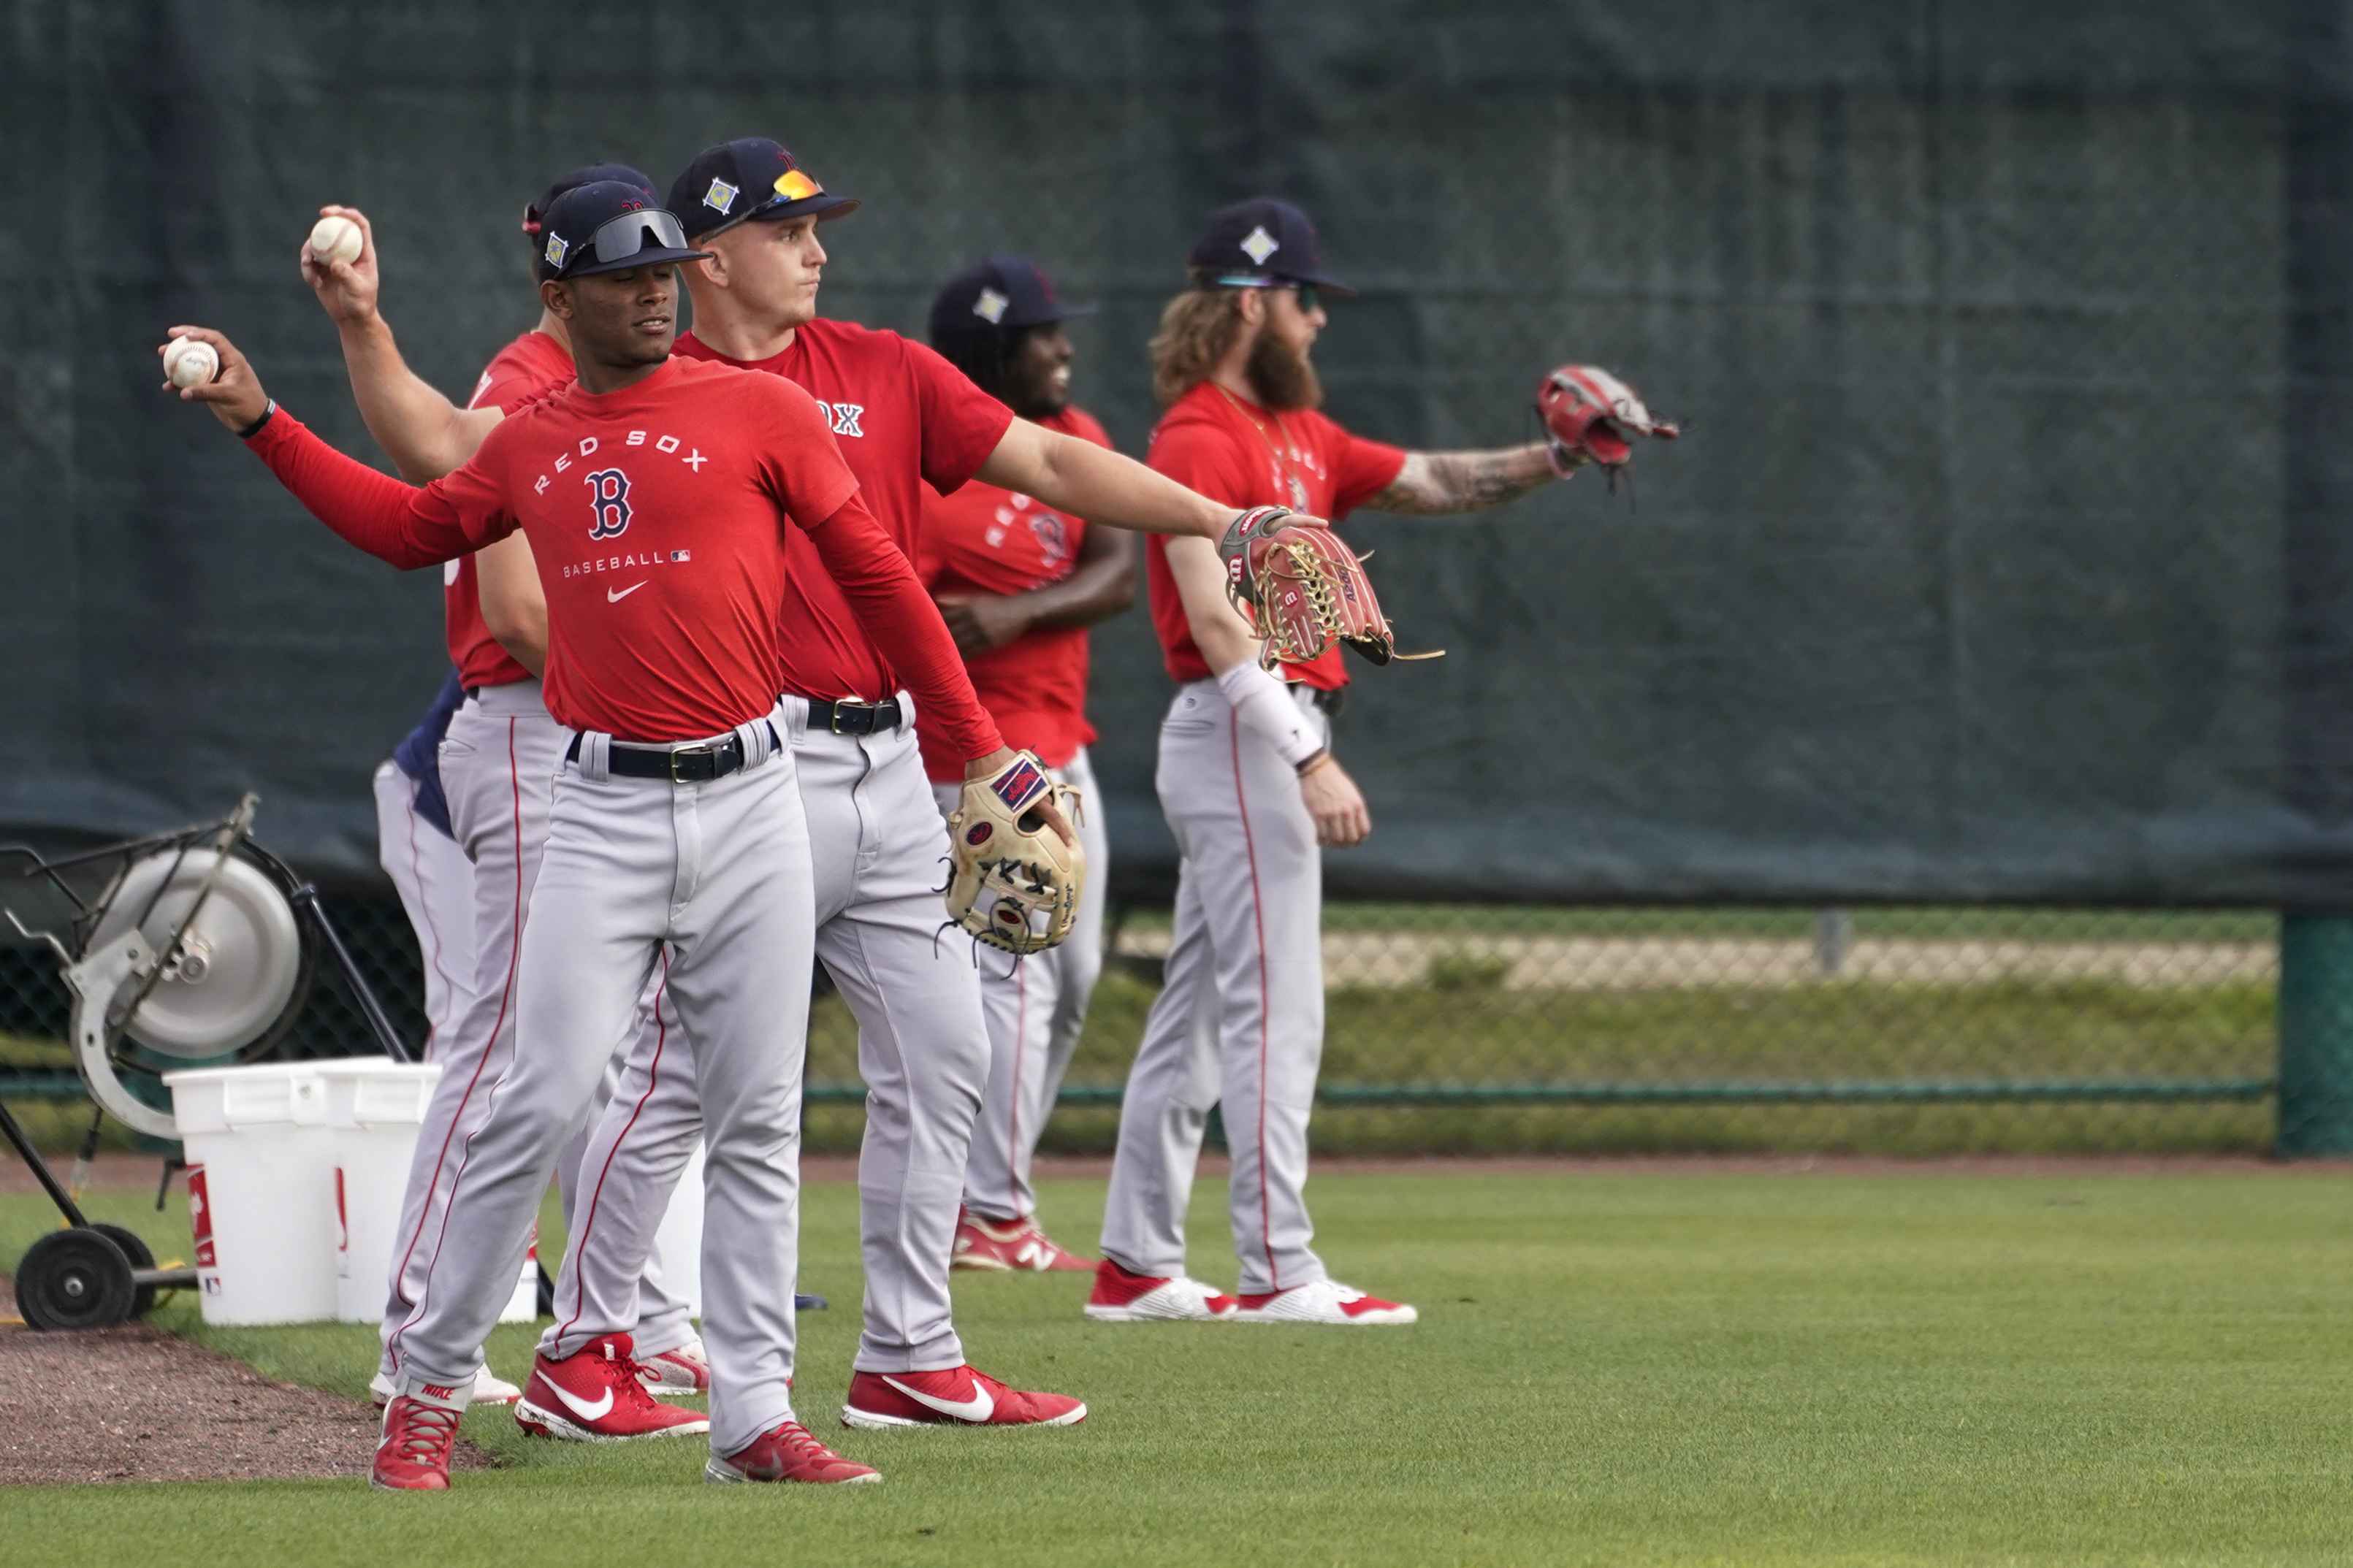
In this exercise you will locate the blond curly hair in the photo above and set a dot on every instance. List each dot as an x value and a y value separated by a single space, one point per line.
1196 328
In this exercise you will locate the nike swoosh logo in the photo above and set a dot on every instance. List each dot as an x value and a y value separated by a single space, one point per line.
614 596
587 1410
977 1409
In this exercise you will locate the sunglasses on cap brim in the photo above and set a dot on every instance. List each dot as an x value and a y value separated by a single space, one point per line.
1308 298
792 186
619 237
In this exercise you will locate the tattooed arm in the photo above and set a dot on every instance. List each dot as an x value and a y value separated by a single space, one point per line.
1434 482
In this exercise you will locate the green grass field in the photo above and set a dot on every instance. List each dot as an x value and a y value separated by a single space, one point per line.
1610 1369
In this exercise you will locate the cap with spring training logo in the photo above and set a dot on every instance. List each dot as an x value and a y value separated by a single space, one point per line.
753 180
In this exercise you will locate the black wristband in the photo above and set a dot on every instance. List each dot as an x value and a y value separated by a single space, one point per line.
269 412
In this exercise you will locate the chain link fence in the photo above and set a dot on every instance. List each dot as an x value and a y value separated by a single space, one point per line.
1507 1029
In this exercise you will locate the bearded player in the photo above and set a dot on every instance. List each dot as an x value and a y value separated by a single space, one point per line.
659 494
1019 584
1250 786
499 759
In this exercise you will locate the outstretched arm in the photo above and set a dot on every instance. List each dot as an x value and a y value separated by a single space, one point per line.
392 521
1100 585
1433 483
1089 481
424 434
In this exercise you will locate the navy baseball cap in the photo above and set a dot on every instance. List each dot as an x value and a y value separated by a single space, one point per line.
607 225
1002 292
573 181
1260 243
751 181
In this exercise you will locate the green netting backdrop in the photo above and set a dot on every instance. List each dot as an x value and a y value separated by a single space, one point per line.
2004 558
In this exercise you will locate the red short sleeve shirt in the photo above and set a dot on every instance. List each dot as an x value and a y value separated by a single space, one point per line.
983 539
901 415
1232 450
658 515
527 368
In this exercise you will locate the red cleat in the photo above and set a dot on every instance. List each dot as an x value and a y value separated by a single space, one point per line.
413 1454
1323 1301
788 1453
1120 1297
959 1396
594 1396
1016 1246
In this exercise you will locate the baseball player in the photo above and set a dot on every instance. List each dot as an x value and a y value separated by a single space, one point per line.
415 844
903 417
658 495
1019 584
498 760
1250 786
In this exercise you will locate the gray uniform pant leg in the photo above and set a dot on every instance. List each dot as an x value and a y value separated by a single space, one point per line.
718 872
1035 1011
436 884
635 1154
497 769
1244 1006
880 849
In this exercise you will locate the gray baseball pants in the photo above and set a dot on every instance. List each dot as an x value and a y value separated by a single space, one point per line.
1035 1009
1241 1023
499 762
709 882
436 884
878 850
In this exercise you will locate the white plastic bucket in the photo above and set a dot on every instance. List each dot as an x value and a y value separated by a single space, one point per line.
678 1240
261 1190
374 1108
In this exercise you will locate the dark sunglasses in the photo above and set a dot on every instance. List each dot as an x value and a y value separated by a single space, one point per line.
1308 299
618 238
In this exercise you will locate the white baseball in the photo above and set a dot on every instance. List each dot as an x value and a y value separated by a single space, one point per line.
334 239
190 361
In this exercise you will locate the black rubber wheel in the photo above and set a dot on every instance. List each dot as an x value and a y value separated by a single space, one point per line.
143 1296
74 1279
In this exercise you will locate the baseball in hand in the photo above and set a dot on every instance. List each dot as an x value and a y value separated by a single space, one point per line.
334 239
190 361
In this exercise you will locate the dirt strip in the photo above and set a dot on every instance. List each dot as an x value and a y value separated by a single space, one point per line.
135 1403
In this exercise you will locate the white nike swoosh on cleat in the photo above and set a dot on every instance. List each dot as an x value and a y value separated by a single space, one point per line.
614 596
977 1409
587 1410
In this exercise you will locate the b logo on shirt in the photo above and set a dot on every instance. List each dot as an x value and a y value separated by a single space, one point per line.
845 417
608 500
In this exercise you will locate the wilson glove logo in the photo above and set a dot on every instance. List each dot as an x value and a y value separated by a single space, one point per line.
608 502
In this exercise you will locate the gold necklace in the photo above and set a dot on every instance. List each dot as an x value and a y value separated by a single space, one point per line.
1283 470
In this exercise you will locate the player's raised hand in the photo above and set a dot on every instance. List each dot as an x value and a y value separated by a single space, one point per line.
235 394
346 288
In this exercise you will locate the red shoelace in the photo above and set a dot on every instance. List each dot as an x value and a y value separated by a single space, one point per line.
423 1433
797 1437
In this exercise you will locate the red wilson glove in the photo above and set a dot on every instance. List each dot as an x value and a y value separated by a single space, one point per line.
1301 589
1587 416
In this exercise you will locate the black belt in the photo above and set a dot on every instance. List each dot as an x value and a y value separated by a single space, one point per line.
1327 702
854 717
687 765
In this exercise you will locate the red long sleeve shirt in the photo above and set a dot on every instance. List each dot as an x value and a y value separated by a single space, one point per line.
656 514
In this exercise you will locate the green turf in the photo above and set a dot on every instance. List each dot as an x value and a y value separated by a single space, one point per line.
1611 1369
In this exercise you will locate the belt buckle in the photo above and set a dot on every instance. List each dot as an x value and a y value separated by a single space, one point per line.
834 720
693 751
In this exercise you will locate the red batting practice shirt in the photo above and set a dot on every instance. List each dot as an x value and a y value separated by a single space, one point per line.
983 540
900 415
655 514
1231 450
530 367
